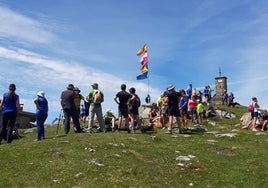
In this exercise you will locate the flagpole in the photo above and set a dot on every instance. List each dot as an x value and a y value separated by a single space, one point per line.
148 83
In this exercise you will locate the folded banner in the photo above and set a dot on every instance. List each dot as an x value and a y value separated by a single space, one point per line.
142 76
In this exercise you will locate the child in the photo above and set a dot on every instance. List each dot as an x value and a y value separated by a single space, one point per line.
199 110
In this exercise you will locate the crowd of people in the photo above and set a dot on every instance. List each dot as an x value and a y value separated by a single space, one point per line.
181 106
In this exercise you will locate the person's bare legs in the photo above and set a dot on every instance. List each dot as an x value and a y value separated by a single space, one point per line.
170 122
254 124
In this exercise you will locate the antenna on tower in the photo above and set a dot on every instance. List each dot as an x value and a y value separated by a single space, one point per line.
219 71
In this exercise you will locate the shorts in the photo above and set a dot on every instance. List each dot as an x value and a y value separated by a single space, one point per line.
184 112
173 111
192 111
123 112
254 114
134 111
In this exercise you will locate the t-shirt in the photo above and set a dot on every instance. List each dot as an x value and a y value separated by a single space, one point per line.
183 103
67 99
123 97
9 105
192 104
78 98
199 108
173 98
42 102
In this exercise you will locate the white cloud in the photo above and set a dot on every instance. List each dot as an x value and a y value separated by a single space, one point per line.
53 76
22 29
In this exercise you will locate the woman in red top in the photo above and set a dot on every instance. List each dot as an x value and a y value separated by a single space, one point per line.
192 108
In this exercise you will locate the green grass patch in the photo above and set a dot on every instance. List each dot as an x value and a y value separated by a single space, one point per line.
139 160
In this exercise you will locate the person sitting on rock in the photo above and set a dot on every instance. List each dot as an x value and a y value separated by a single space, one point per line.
154 120
109 120
264 120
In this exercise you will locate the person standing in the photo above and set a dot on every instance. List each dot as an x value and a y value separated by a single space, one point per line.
121 98
192 108
95 97
78 99
199 111
41 114
254 113
69 109
83 113
173 108
10 105
189 91
224 97
134 104
206 94
183 106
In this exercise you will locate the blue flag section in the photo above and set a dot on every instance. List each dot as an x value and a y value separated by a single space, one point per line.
142 76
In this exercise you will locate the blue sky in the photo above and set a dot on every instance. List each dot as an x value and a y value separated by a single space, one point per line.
45 45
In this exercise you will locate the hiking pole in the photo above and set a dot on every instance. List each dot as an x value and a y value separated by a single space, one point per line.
60 116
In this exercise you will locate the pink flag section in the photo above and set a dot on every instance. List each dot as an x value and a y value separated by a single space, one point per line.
144 59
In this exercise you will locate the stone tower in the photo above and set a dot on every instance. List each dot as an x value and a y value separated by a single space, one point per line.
220 86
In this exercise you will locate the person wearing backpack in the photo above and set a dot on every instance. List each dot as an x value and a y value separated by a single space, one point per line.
95 98
254 113
133 106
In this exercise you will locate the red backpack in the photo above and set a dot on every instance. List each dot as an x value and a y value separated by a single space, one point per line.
250 107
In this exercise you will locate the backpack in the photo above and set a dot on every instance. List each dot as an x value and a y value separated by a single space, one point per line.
137 102
97 97
250 108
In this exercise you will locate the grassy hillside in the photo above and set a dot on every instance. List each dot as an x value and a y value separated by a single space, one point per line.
139 160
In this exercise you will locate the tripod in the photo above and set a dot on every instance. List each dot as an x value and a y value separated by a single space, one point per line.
59 120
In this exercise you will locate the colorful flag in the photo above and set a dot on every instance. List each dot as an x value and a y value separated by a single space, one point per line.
144 62
142 50
144 59
144 69
142 76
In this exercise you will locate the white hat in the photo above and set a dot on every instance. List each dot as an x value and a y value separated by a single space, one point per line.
170 87
41 94
109 111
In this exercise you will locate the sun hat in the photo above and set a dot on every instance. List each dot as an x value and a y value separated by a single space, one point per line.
95 85
41 94
170 87
109 111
